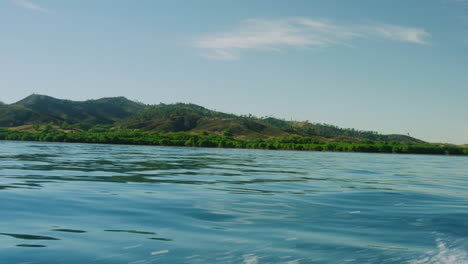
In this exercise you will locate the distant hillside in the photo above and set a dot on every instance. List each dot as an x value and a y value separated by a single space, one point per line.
15 115
120 113
92 112
172 117
313 129
197 119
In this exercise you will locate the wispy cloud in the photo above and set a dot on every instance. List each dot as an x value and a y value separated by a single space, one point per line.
263 34
404 34
272 35
30 5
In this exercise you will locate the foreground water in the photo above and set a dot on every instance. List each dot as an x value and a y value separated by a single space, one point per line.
82 203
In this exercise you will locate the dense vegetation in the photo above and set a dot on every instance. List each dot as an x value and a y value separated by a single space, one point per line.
226 141
122 121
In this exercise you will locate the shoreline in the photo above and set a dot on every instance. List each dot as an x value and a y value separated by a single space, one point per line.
182 139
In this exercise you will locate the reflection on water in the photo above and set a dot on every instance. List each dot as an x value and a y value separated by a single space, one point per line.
89 203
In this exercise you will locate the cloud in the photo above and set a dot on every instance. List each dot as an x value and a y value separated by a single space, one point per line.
404 34
30 5
273 35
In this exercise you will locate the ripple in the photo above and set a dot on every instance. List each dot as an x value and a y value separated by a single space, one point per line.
131 232
31 245
68 230
160 238
29 237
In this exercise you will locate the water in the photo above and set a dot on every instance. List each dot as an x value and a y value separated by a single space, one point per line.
83 203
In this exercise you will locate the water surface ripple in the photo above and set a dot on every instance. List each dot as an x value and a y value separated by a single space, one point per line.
84 203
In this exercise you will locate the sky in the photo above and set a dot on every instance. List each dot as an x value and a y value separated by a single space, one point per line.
397 66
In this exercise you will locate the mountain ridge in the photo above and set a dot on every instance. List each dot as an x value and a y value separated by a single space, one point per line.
121 113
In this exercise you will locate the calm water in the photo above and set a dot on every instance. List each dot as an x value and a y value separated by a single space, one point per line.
79 203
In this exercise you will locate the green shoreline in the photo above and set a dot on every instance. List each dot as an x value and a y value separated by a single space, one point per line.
184 139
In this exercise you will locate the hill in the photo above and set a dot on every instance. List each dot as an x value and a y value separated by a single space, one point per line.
16 115
197 119
114 113
90 112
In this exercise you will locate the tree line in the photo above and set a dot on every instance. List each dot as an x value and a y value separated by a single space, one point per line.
133 137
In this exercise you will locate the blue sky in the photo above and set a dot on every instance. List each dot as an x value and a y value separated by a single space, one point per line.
387 66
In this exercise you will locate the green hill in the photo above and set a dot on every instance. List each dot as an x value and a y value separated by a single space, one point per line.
197 119
92 112
116 113
16 115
